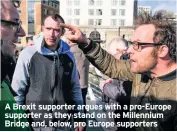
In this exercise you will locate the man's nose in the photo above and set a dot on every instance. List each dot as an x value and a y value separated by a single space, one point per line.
51 32
21 32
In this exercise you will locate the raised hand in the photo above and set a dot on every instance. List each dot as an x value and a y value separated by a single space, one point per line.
76 35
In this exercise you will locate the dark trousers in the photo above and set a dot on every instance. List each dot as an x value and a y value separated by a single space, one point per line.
84 93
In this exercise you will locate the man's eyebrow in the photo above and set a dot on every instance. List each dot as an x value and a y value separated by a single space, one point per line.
52 27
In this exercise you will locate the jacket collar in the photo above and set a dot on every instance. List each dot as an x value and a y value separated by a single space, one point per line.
39 44
170 76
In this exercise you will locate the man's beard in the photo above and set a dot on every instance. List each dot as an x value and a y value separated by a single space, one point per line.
154 55
152 64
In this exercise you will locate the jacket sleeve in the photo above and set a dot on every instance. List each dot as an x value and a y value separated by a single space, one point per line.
107 64
20 81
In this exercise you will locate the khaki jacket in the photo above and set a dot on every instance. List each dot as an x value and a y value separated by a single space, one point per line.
156 91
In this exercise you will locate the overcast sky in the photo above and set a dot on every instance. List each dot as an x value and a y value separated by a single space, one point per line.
170 5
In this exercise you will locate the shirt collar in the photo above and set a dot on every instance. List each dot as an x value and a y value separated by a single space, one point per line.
169 76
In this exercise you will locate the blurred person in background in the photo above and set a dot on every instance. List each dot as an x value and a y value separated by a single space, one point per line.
30 41
82 64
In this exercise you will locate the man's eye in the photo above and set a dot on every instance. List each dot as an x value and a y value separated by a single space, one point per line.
48 28
57 30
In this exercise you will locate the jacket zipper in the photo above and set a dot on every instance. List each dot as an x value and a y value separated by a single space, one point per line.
53 90
54 82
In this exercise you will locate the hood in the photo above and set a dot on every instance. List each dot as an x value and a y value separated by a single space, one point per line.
39 44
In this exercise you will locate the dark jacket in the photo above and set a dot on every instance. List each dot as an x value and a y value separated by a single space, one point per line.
47 78
145 90
7 98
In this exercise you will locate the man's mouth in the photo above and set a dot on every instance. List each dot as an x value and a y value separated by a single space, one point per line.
51 40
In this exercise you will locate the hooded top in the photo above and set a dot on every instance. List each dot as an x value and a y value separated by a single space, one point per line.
44 77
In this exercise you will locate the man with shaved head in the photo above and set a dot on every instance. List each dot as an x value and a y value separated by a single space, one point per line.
48 76
117 47
10 31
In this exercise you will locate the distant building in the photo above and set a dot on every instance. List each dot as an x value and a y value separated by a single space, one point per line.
98 12
142 9
32 14
107 33
100 20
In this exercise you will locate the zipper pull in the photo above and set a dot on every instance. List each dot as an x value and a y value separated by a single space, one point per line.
55 55
54 59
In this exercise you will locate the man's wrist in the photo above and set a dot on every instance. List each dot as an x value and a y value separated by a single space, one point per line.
86 44
88 41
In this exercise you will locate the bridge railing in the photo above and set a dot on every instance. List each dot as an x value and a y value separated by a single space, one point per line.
94 91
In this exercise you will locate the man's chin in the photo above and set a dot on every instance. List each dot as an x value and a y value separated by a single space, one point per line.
133 70
51 44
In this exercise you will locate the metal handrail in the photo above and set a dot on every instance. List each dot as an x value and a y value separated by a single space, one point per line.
95 88
97 75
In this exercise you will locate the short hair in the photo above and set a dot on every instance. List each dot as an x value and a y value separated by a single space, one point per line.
118 43
55 17
165 30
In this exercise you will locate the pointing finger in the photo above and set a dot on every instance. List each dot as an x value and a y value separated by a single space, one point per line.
72 28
